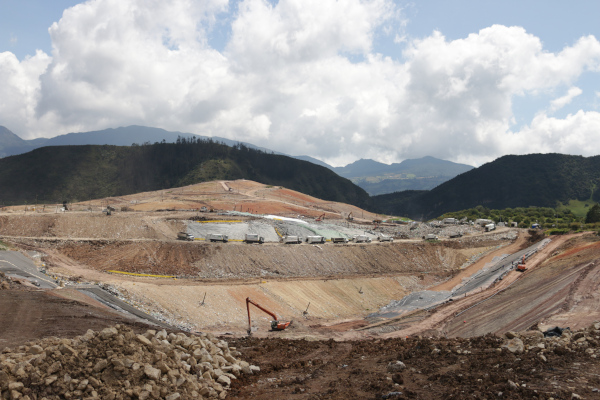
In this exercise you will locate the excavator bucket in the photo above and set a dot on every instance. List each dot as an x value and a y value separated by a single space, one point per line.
279 325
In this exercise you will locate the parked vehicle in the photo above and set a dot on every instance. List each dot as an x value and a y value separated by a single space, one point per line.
184 236
339 240
490 227
430 236
254 238
385 238
315 239
361 239
291 239
217 237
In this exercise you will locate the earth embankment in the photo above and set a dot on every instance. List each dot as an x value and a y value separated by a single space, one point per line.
235 261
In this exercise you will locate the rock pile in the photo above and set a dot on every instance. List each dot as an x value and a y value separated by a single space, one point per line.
587 340
116 363
6 282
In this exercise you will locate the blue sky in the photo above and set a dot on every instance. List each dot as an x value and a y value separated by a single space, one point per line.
462 80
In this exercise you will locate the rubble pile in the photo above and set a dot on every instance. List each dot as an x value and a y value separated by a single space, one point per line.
116 363
6 282
566 341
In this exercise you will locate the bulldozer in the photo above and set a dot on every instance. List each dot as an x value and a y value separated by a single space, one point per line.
276 325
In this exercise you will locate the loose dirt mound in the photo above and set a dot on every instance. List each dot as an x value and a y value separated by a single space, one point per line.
212 260
421 368
88 225
115 363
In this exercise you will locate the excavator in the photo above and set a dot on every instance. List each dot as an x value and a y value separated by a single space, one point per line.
276 325
521 267
350 217
320 218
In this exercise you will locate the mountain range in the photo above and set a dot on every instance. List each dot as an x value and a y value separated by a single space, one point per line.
540 180
56 173
11 144
374 177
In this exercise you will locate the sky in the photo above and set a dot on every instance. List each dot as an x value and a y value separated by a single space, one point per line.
466 81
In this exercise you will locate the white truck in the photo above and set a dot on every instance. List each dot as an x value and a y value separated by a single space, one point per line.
217 237
315 239
291 239
339 240
253 238
385 238
184 236
430 236
490 227
361 239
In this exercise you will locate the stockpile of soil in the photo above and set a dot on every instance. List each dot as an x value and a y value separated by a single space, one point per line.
527 366
87 225
115 363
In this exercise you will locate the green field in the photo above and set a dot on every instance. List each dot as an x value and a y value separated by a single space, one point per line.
578 207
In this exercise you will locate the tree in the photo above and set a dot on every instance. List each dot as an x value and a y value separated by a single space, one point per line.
593 215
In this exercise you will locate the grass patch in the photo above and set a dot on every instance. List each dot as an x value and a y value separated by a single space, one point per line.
556 231
4 246
577 207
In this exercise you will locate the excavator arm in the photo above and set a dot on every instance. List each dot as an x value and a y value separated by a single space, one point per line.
275 324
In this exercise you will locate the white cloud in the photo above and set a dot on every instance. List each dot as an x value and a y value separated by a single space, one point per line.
559 103
288 79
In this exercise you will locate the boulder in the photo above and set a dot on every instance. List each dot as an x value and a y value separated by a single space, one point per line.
515 345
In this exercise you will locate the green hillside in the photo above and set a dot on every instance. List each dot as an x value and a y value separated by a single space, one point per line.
541 180
75 173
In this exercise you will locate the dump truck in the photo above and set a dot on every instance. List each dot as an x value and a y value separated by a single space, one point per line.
254 238
490 227
339 240
184 236
291 239
385 238
361 239
217 237
430 236
315 239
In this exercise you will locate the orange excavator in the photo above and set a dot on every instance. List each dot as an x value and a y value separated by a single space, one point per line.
276 325
320 218
521 267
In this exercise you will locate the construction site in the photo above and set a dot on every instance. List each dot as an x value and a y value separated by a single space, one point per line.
292 297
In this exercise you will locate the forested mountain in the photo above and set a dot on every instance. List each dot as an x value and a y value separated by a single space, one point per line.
510 181
373 176
75 173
